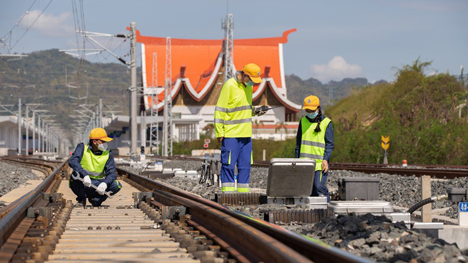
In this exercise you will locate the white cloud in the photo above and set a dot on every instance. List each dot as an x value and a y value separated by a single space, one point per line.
336 69
48 24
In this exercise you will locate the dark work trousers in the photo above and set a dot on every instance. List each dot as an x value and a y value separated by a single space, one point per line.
319 187
236 150
94 198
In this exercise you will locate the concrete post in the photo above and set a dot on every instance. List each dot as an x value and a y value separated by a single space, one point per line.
19 126
426 193
27 130
133 95
264 154
38 133
34 131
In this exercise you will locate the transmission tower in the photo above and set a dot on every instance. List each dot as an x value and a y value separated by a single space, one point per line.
167 126
154 126
228 48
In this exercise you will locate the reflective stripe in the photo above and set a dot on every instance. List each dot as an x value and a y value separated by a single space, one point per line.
241 108
118 184
94 175
233 121
310 143
242 186
238 121
228 184
228 189
242 190
311 156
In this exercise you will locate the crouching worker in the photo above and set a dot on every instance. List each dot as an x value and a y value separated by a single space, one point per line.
314 140
93 164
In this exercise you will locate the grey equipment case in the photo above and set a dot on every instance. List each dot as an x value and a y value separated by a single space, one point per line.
290 177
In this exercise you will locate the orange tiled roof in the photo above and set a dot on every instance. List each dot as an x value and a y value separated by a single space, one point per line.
197 62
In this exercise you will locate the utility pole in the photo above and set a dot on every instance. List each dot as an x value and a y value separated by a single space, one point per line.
133 95
26 147
228 27
101 124
167 125
19 126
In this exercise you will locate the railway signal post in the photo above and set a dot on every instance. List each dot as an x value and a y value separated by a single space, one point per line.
385 144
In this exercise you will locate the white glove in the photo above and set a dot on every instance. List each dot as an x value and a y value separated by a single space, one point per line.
87 181
101 189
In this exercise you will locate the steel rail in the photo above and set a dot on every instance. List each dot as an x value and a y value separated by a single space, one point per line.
17 213
437 171
311 250
365 168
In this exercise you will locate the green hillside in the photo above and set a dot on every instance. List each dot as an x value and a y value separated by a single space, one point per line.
418 112
42 78
328 93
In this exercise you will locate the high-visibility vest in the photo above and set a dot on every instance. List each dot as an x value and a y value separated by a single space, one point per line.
233 112
94 164
313 143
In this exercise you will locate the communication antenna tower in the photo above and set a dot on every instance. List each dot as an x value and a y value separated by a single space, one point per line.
154 126
228 47
167 126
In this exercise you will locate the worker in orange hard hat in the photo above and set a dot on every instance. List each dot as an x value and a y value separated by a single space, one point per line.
314 140
94 175
233 127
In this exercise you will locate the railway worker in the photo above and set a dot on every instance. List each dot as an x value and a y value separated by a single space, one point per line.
95 164
314 140
233 127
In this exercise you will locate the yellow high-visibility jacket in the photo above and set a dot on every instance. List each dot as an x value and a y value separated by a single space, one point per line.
94 164
233 112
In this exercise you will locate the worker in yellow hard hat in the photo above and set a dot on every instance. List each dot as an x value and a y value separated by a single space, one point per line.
94 175
233 127
314 140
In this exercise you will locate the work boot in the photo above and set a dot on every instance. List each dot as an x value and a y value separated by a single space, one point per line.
80 204
94 203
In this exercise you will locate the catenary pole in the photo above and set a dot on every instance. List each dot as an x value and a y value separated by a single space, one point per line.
133 90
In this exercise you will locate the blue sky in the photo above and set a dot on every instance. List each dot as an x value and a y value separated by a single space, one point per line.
334 39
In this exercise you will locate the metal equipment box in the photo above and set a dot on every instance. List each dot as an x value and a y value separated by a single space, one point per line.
290 177
458 194
358 188
361 207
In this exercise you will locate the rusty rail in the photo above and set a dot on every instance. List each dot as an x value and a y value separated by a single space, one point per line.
18 209
226 221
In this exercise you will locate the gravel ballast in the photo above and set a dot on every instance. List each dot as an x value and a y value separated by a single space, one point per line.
13 176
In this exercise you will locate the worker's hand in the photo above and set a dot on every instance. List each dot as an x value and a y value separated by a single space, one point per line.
87 181
101 189
324 166
220 139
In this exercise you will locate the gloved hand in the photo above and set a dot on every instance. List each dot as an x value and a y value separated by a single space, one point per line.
101 189
87 181
259 111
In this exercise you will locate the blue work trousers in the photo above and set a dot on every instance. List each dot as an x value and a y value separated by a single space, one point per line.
236 151
319 188
94 198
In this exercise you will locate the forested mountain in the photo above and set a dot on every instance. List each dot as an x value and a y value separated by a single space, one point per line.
328 93
61 82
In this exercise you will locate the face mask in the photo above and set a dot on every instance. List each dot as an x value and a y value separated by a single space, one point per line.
250 83
312 115
102 147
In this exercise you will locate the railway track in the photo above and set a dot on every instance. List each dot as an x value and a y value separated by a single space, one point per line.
436 171
147 221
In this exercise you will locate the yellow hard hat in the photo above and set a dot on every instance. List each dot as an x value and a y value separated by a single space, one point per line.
99 134
253 71
311 103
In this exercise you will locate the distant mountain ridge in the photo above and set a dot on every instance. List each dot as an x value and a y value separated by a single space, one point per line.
328 93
